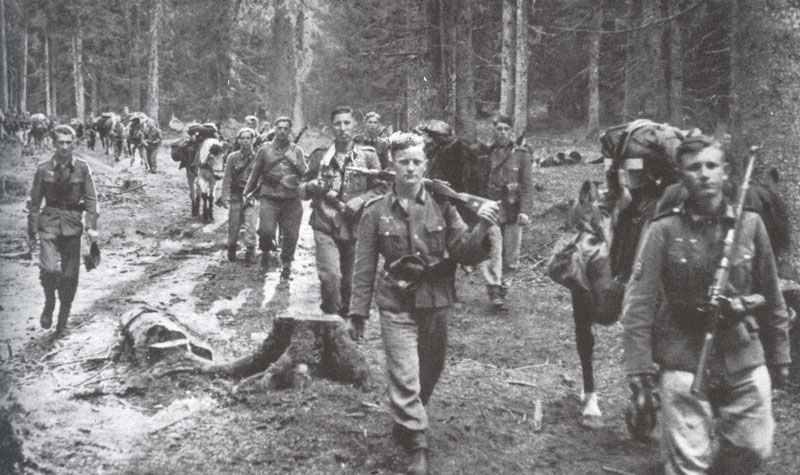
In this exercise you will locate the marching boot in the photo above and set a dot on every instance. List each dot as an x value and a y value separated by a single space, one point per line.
250 256
66 292
195 208
286 271
265 258
231 252
49 282
419 462
495 295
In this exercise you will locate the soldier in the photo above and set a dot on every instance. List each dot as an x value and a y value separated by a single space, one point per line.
66 185
507 178
451 159
663 324
421 237
373 136
117 137
238 169
152 140
337 197
280 165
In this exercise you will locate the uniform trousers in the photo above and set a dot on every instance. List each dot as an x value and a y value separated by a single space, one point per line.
286 213
745 424
505 241
60 255
239 215
334 258
152 153
416 346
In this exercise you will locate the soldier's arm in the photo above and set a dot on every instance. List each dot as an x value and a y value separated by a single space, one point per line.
773 317
35 203
639 305
255 174
466 246
300 161
90 201
226 179
366 262
525 183
375 185
309 188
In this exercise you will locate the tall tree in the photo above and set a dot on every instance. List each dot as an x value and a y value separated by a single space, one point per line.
465 89
283 43
521 67
23 89
77 71
766 110
593 115
675 63
4 54
156 14
303 61
507 58
48 105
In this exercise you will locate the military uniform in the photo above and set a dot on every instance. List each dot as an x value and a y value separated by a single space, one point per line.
68 192
414 316
238 169
381 146
333 219
674 267
279 169
117 138
152 140
506 178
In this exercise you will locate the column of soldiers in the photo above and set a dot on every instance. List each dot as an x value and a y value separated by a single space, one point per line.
418 238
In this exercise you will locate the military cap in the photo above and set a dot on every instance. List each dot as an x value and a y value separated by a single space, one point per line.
64 129
283 118
372 114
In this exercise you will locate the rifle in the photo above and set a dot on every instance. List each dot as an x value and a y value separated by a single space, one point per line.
715 293
434 185
300 134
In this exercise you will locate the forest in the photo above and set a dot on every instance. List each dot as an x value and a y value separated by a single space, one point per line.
725 66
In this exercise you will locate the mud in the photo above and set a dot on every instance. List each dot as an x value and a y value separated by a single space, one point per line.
74 410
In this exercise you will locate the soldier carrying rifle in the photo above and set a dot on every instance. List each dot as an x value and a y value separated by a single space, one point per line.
666 317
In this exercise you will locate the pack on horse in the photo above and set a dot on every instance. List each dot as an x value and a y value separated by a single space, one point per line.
40 126
104 125
594 263
200 154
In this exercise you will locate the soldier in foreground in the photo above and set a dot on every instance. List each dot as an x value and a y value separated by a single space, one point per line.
665 321
65 184
238 168
280 165
421 238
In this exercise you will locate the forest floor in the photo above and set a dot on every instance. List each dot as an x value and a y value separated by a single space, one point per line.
74 412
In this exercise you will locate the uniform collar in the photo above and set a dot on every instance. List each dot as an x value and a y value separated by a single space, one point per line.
727 213
421 197
54 162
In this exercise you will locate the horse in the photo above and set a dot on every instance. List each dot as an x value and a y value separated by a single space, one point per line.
104 125
135 142
595 262
209 153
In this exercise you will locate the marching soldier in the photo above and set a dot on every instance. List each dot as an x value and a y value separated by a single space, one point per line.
421 238
238 168
152 140
664 324
280 165
336 200
65 184
373 136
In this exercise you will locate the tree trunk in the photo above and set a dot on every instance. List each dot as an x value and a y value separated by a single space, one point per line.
675 66
450 58
283 63
766 106
465 89
23 90
95 95
134 87
80 90
506 106
4 53
629 110
152 64
52 71
303 60
521 77
419 93
48 98
593 111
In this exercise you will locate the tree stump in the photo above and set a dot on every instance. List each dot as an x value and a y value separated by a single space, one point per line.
318 341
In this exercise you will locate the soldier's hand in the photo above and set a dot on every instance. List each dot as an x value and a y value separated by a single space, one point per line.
523 219
356 325
489 211
92 234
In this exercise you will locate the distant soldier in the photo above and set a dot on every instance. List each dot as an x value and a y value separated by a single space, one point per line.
152 140
65 184
238 169
280 165
374 136
117 136
336 200
507 178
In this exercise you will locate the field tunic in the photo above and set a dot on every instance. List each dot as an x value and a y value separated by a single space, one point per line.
508 178
67 190
238 169
674 268
274 162
427 227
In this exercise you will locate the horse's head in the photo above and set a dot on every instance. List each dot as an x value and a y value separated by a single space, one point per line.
589 213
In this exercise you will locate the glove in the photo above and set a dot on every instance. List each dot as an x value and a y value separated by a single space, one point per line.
640 416
780 376
356 325
523 219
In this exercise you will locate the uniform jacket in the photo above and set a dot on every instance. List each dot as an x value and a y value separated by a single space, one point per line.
238 169
66 191
152 136
329 216
381 146
274 162
507 177
432 229
674 268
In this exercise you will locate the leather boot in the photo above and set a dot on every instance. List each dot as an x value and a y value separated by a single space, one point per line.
286 271
250 255
265 258
231 252
49 282
495 295
195 208
66 292
419 462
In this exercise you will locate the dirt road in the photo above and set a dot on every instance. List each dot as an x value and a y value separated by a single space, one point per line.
76 412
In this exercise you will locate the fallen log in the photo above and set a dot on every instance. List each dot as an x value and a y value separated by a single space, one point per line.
316 341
